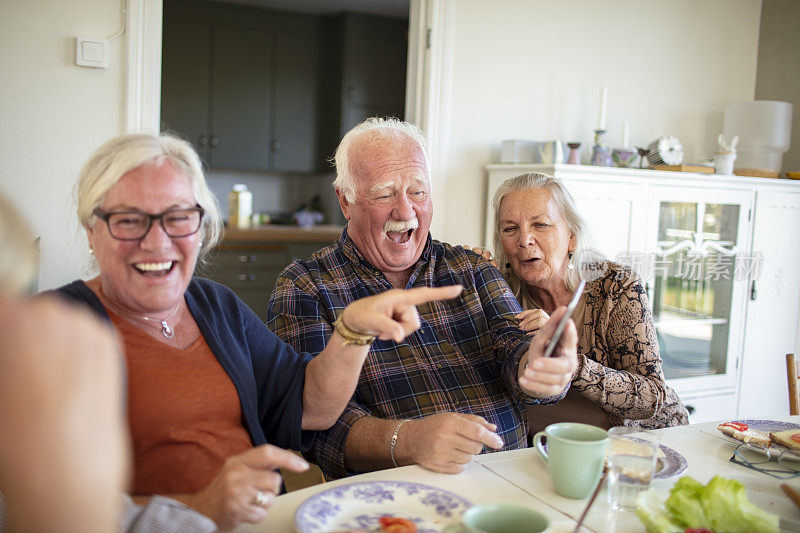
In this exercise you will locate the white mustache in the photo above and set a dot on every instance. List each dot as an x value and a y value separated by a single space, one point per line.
401 225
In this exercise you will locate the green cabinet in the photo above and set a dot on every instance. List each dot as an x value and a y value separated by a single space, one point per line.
242 85
240 104
374 53
186 82
251 269
295 146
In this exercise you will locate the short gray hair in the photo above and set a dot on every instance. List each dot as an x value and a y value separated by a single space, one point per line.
387 126
120 155
566 205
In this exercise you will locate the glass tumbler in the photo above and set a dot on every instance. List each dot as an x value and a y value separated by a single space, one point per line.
631 460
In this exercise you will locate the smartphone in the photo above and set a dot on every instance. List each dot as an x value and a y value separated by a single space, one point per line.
562 324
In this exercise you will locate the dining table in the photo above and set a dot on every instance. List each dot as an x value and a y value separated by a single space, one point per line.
521 477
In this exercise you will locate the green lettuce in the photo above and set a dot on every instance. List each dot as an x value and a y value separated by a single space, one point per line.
684 503
721 506
729 511
652 514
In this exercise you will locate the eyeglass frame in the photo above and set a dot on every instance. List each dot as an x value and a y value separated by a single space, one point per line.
769 471
104 216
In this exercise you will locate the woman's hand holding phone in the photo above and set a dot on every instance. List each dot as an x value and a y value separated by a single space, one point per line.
542 376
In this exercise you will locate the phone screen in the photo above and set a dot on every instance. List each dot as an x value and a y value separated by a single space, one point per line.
562 324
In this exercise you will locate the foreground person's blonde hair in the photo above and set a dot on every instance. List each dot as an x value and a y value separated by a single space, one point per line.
18 253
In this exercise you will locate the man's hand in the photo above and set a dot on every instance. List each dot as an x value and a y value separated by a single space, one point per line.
393 314
445 442
543 377
230 498
531 320
64 448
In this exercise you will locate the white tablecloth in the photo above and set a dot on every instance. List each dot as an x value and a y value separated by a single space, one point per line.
521 477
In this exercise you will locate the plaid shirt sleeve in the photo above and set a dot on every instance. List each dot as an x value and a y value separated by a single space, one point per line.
295 312
297 315
510 342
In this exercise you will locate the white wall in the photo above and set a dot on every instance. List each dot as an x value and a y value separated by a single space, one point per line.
779 65
52 115
533 69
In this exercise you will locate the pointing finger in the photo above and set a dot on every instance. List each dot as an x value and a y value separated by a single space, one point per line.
421 295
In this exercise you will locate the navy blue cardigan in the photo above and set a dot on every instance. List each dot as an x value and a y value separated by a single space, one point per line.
268 373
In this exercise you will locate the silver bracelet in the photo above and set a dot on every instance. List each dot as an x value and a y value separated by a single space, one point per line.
394 441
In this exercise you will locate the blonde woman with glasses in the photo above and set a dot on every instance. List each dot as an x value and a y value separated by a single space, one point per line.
208 384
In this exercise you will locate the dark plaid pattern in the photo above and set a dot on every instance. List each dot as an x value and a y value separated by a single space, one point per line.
463 358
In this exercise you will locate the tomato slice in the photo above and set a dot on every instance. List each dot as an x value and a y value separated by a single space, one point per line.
795 437
395 524
739 426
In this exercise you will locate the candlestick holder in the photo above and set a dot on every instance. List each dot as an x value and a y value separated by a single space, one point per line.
642 155
601 153
574 153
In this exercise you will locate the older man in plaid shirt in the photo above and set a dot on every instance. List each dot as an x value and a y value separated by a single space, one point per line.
460 383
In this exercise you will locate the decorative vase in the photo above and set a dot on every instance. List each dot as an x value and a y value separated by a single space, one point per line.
574 154
624 157
642 154
601 153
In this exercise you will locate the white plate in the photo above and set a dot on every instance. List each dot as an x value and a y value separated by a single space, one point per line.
360 505
764 425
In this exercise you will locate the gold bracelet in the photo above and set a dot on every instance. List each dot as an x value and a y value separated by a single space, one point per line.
349 336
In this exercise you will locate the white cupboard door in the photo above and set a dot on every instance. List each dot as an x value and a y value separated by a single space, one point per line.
710 408
698 237
772 312
613 213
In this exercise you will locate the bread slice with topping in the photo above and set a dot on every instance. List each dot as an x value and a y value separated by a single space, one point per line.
789 438
742 432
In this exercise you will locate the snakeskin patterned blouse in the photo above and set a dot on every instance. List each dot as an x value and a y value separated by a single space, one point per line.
618 357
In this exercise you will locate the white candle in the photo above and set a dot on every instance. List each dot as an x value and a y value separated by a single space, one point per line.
625 138
603 98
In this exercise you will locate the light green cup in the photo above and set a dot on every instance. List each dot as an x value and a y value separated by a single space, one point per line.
500 518
575 455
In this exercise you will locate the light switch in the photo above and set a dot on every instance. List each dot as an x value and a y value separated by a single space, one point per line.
91 52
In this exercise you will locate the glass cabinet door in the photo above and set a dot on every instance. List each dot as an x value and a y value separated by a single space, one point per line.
697 265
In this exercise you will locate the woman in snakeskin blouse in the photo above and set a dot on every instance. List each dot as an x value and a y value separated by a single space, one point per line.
619 380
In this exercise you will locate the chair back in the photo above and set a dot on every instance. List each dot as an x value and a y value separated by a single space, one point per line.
792 378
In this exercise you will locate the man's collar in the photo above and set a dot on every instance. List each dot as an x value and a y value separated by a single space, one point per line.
352 252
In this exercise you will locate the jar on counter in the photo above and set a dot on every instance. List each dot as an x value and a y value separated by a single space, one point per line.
240 207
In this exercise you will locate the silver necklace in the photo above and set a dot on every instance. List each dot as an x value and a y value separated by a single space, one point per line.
166 329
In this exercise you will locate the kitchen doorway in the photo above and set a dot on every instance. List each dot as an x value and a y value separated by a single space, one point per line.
264 90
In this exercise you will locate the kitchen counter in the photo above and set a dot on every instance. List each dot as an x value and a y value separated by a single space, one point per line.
277 233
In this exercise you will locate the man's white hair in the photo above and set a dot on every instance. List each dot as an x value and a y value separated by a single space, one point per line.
389 126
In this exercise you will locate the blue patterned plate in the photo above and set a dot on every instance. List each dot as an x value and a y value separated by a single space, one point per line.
672 464
359 505
764 425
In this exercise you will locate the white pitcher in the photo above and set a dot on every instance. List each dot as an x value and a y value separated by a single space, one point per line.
552 152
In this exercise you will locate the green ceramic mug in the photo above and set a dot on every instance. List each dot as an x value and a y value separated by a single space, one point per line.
500 518
575 456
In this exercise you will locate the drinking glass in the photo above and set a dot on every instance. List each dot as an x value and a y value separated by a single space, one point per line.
631 460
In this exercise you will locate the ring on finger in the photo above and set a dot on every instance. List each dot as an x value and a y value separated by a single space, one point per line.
261 499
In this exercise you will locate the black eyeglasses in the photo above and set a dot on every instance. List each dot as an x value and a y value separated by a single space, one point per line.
759 458
134 225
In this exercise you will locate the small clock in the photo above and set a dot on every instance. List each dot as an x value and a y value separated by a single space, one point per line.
666 150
